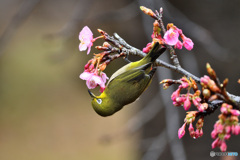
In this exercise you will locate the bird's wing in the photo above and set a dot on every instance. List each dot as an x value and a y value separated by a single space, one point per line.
118 72
133 75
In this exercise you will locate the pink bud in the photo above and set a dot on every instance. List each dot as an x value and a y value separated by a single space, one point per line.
175 94
191 130
198 133
195 102
223 146
214 134
205 80
236 130
235 112
180 100
178 45
147 48
181 131
202 107
224 109
215 143
86 66
184 85
219 128
187 43
228 129
227 136
91 67
187 104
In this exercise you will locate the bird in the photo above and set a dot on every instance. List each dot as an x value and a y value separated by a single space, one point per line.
127 83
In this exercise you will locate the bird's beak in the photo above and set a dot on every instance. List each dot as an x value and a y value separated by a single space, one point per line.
91 94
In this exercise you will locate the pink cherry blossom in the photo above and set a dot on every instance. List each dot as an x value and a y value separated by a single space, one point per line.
93 80
171 36
86 37
104 77
85 75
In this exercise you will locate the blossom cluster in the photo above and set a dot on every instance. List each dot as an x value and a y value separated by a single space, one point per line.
186 99
225 126
211 88
93 70
171 37
190 118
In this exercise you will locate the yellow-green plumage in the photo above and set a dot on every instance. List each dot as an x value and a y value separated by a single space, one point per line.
127 84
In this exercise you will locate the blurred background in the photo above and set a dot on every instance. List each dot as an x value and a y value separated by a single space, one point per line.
45 110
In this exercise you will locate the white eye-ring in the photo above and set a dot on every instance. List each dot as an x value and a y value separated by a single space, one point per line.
99 101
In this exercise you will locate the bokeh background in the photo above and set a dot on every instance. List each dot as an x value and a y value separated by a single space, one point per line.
45 111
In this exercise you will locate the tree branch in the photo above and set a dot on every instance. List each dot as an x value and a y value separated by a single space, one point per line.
125 49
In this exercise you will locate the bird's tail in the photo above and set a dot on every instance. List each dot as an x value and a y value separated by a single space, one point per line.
155 52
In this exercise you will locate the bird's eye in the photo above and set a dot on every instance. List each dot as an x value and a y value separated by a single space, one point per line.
99 101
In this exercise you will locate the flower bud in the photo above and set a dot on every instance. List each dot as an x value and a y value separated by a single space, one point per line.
181 131
199 133
214 134
206 93
223 146
213 97
228 129
215 143
175 94
106 44
210 71
199 123
190 117
202 107
187 104
227 136
235 112
191 130
187 43
102 66
148 11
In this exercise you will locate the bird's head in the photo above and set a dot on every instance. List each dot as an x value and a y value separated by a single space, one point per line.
103 105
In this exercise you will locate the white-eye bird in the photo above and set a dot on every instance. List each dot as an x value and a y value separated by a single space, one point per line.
127 83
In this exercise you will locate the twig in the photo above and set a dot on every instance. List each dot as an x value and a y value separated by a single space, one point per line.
134 51
126 49
170 48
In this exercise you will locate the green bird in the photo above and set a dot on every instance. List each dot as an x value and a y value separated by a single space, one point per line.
127 84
